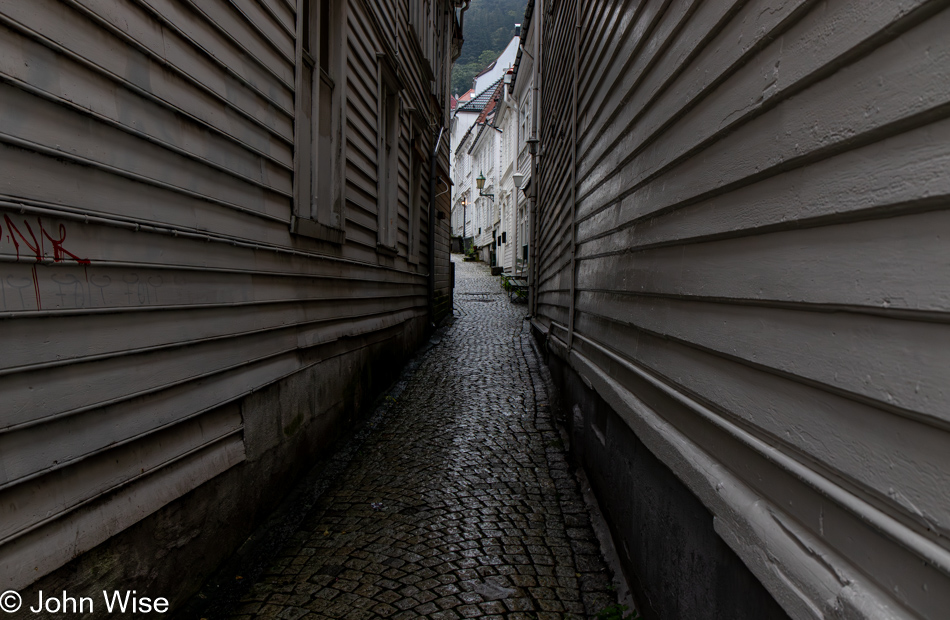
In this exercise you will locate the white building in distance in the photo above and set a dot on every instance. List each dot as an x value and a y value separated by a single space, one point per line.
479 149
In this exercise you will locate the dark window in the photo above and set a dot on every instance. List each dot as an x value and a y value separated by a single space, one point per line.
387 155
318 201
416 159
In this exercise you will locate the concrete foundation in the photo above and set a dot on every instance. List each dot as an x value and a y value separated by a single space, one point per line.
676 564
290 426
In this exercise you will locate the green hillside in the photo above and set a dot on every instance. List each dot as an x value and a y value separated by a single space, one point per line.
489 26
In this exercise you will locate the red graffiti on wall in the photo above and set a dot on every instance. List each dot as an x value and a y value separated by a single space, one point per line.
37 246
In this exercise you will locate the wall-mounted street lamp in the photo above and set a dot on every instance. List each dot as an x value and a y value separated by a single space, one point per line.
480 183
521 182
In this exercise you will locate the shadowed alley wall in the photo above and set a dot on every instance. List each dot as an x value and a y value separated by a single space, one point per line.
203 272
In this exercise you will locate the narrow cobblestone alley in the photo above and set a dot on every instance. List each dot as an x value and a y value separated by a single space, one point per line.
460 504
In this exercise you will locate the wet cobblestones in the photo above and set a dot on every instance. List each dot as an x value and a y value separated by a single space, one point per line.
460 504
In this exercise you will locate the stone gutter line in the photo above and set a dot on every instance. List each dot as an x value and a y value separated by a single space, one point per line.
599 524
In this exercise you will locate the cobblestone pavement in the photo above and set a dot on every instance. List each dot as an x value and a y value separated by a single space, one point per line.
460 505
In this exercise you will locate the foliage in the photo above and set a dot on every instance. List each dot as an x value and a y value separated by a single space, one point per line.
616 612
489 26
515 292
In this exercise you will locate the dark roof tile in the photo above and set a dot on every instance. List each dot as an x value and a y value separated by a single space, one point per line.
477 104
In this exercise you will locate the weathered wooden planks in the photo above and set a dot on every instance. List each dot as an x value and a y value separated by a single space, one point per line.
149 278
757 246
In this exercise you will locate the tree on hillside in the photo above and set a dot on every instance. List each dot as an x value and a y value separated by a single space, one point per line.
489 26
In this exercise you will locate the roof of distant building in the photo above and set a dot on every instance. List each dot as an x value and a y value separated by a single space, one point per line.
478 103
490 106
498 68
486 117
522 30
487 69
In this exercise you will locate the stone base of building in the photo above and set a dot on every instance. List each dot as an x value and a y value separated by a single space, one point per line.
290 426
676 564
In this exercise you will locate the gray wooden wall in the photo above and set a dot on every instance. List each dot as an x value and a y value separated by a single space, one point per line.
760 286
149 281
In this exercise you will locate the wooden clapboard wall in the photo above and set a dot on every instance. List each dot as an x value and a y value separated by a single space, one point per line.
761 279
149 280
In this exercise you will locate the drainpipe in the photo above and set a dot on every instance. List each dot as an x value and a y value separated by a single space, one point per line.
432 223
533 270
462 16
